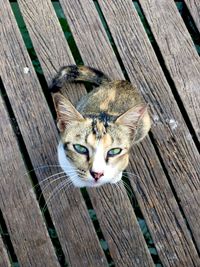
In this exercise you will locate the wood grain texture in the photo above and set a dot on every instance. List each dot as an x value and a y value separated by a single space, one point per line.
173 140
171 227
49 41
165 221
18 204
179 53
122 249
194 8
161 208
90 36
68 211
118 247
4 260
119 226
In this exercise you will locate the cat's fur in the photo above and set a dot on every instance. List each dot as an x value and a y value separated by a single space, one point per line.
111 116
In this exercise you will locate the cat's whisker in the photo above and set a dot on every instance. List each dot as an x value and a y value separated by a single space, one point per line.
129 177
35 187
125 104
43 167
68 179
117 185
47 166
128 174
65 186
129 192
50 183
56 191
46 179
53 194
49 177
54 175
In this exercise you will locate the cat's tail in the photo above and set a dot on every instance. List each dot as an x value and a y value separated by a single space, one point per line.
73 73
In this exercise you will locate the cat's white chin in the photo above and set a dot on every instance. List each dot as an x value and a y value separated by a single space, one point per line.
70 170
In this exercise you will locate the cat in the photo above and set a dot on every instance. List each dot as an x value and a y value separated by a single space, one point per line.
97 134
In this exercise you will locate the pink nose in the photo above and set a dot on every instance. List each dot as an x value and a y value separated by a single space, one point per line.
96 175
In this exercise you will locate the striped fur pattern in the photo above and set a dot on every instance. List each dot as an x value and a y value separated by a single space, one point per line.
97 134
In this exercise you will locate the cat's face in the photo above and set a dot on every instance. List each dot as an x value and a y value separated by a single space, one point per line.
92 152
97 158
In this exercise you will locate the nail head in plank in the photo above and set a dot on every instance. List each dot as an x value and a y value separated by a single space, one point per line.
179 53
40 137
48 40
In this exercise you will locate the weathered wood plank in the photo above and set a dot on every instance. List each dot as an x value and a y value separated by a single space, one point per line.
90 36
194 8
48 40
119 226
125 251
174 222
166 223
4 260
179 53
77 29
19 206
170 133
68 211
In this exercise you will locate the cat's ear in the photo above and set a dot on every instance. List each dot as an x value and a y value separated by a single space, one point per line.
137 120
132 116
66 112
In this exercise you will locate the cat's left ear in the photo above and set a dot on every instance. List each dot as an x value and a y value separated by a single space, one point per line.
137 120
66 112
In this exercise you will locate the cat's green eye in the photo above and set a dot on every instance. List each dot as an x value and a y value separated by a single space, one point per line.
114 151
81 149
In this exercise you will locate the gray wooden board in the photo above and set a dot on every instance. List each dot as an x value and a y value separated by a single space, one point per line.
83 32
194 8
172 138
18 204
48 40
167 225
179 53
90 36
119 226
126 246
69 213
4 260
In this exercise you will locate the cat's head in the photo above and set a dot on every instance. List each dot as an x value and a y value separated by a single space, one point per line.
95 150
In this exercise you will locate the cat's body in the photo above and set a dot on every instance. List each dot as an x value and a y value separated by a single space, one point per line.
97 135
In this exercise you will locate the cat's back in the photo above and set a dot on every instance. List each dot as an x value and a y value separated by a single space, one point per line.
113 98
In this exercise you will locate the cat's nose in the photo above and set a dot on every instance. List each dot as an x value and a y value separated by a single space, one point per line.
96 175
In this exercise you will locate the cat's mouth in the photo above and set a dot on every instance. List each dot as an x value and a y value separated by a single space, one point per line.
91 182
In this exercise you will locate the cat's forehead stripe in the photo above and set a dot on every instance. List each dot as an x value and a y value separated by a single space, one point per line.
98 128
106 140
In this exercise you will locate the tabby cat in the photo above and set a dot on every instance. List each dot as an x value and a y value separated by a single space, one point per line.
97 135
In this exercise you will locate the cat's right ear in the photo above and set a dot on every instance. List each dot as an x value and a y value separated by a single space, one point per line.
66 112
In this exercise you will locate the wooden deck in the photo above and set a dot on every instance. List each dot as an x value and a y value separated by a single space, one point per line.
167 163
